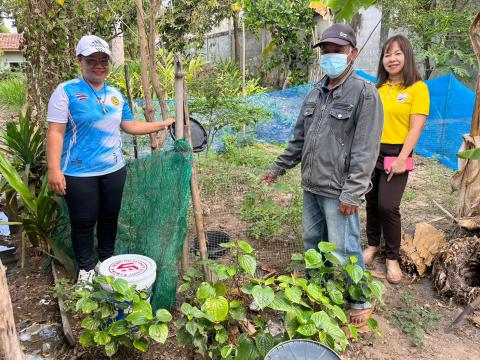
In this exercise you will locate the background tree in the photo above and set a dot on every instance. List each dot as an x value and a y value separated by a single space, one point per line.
438 31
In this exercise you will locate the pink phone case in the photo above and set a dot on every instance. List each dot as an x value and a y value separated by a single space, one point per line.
387 161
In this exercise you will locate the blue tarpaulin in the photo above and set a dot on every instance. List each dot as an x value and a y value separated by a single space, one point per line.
451 109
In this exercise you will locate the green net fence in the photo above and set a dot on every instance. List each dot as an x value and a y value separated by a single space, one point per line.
153 217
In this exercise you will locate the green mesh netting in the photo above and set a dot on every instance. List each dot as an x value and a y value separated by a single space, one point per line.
153 217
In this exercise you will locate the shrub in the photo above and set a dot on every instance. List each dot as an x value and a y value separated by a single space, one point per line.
13 93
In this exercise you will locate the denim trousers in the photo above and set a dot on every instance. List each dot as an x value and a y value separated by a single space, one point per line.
322 221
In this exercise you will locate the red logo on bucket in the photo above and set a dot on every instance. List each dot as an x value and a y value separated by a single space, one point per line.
128 267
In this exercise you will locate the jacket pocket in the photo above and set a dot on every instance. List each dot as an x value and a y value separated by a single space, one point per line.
341 121
307 113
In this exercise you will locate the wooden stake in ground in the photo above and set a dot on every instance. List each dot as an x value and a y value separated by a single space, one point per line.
67 329
9 345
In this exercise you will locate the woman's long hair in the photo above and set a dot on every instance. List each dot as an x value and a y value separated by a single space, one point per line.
410 73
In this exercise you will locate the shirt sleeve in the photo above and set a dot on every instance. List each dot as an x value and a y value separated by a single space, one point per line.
58 106
421 99
126 111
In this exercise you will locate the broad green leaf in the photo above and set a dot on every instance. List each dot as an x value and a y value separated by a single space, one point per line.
226 351
91 323
158 332
264 343
245 247
228 245
291 324
137 318
270 281
163 315
216 308
377 289
335 331
238 313
120 286
221 336
118 328
320 319
263 296
246 350
280 303
220 289
354 292
354 331
102 338
111 348
308 329
332 258
141 344
106 311
86 339
326 247
235 304
473 154
248 263
186 309
314 291
313 259
191 327
88 306
372 324
353 260
355 272
205 291
144 307
231 270
339 313
294 294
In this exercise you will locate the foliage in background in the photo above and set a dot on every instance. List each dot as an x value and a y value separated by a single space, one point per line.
13 93
290 24
184 23
439 32
219 103
98 307
413 319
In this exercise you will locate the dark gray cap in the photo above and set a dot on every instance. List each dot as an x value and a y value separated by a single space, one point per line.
340 34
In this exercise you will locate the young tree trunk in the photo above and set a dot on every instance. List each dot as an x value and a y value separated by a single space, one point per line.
384 28
236 38
9 345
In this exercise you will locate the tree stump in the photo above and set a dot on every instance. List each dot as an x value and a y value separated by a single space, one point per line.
456 270
9 345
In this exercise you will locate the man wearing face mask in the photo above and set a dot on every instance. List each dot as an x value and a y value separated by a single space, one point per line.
337 141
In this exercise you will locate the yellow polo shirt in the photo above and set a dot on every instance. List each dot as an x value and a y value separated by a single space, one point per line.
398 104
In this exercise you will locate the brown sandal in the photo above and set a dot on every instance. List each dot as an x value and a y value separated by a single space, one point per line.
393 275
369 255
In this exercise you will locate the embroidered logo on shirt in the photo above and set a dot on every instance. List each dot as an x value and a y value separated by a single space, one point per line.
81 96
115 101
402 97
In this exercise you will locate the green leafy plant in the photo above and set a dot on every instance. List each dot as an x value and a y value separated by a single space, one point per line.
316 308
412 319
217 322
39 212
97 306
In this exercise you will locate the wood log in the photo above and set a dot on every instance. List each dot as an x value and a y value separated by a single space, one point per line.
9 345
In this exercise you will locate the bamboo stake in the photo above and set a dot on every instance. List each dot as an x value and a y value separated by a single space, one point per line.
149 109
130 103
9 345
67 329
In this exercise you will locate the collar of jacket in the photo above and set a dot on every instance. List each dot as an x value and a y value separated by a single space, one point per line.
337 90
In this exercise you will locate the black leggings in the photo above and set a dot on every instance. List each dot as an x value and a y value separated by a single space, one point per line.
94 200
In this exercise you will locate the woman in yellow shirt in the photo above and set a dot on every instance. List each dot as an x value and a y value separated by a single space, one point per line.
406 105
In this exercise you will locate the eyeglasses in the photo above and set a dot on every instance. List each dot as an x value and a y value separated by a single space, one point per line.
94 61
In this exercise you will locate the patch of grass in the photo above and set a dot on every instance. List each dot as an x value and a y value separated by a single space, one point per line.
409 196
13 94
412 319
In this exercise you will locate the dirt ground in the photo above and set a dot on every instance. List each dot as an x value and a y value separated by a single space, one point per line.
34 304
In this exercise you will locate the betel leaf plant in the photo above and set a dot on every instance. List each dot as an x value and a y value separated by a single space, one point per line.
218 320
98 306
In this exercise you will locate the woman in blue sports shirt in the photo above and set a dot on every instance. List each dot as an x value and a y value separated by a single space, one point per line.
85 162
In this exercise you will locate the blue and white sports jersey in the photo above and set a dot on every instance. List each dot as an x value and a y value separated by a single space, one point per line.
92 145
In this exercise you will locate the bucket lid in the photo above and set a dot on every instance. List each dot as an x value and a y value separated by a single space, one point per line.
138 270
301 349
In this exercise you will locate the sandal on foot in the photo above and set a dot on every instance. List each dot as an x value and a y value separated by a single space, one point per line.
394 276
369 255
360 317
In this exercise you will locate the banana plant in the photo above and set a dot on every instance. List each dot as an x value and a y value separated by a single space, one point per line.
38 215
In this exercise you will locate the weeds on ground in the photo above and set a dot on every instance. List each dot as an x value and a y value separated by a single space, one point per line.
412 319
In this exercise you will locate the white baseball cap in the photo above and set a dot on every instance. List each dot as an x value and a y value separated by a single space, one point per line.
90 44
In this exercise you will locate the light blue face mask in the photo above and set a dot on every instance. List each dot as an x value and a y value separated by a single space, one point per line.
333 65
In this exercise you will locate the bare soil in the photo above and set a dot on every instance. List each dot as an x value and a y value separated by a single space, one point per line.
33 302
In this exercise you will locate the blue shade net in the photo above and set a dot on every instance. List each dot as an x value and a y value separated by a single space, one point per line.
451 109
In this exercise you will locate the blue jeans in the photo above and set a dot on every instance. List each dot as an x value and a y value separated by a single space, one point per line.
322 221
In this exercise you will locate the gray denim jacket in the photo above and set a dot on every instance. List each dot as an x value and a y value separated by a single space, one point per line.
337 140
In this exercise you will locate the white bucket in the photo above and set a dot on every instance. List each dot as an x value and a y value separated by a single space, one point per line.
137 270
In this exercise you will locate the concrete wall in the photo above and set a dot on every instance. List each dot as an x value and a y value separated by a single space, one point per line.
11 57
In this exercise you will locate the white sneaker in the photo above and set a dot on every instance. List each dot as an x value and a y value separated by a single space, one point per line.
97 267
85 277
